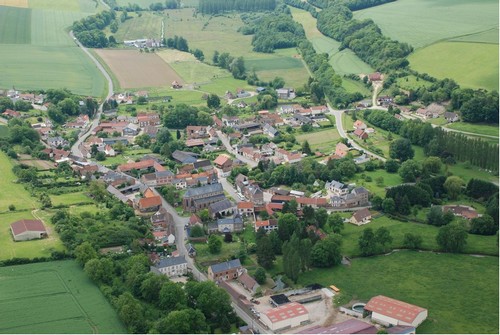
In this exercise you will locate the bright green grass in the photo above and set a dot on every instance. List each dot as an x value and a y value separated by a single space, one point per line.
197 72
488 36
66 5
353 86
27 249
481 129
182 96
412 83
219 86
323 141
84 208
343 62
228 250
283 63
47 27
38 67
440 121
148 25
390 179
12 193
473 65
467 172
69 199
459 291
67 301
293 77
421 23
15 25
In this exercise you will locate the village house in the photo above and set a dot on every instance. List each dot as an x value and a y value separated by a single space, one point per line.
254 194
171 267
158 178
358 197
451 117
149 204
466 212
130 130
336 188
361 134
225 271
268 225
270 131
194 220
285 93
184 157
221 208
392 312
224 162
109 151
24 230
361 217
197 132
312 202
57 141
248 283
9 113
341 150
140 166
230 225
230 121
377 76
148 119
246 208
199 198
384 100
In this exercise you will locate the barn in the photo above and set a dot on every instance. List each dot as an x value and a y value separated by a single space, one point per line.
388 311
24 230
285 316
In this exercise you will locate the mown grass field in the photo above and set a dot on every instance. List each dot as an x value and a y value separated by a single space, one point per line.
343 62
148 25
40 53
459 291
353 86
412 83
70 199
323 140
481 129
12 193
421 23
53 297
472 65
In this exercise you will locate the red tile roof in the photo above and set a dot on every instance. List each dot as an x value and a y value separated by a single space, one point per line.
312 201
150 202
23 226
221 160
266 223
394 308
245 205
285 312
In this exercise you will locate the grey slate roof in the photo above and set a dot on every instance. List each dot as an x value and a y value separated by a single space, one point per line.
171 261
166 173
220 206
235 220
117 194
197 191
184 157
226 266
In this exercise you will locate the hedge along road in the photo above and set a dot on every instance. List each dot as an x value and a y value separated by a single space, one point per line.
75 149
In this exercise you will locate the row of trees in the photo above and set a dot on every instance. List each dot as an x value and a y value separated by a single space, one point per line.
276 32
235 65
89 30
351 4
168 4
219 6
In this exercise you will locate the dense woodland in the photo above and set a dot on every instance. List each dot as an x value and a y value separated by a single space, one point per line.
219 6
89 29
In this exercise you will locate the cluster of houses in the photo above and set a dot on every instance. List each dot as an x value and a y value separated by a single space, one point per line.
143 43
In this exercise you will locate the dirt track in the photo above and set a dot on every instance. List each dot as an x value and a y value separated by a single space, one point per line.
135 69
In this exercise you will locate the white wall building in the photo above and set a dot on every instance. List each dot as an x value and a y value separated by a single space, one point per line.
286 316
388 311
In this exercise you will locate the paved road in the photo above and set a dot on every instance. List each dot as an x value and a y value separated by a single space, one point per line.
343 134
75 149
230 149
229 188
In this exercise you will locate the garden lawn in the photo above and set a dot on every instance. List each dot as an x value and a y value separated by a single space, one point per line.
65 300
26 249
12 193
460 292
467 171
412 83
323 140
205 258
476 244
353 86
70 199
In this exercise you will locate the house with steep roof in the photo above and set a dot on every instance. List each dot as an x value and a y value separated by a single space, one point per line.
336 188
451 117
341 150
268 225
245 208
286 316
171 267
230 225
466 212
248 283
184 157
148 119
361 217
24 230
392 312
358 124
225 271
361 134
221 208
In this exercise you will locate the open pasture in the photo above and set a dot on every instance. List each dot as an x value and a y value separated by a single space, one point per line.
14 3
70 199
433 281
15 25
148 25
421 23
134 69
53 297
22 198
480 129
472 65
323 140
27 249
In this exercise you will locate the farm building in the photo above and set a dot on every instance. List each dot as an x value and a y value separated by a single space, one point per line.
388 311
286 316
24 230
224 271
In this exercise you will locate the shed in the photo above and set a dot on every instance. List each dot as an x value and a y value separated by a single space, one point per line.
24 230
388 311
286 316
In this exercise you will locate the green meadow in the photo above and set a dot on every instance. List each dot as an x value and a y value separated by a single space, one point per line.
52 298
35 44
460 292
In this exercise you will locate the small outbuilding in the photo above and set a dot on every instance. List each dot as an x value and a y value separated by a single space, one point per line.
24 230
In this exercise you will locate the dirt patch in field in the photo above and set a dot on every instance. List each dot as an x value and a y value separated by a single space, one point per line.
135 69
14 3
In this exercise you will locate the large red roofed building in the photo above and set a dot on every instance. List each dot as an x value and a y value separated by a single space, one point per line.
142 165
388 311
149 204
24 230
286 316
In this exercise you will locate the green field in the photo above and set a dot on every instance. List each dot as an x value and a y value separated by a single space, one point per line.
353 86
481 129
39 52
459 291
15 25
70 199
53 297
197 72
412 83
421 23
323 140
343 62
12 193
148 25
472 65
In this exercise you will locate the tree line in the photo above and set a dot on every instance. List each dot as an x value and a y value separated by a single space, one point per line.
351 4
219 6
89 29
276 32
